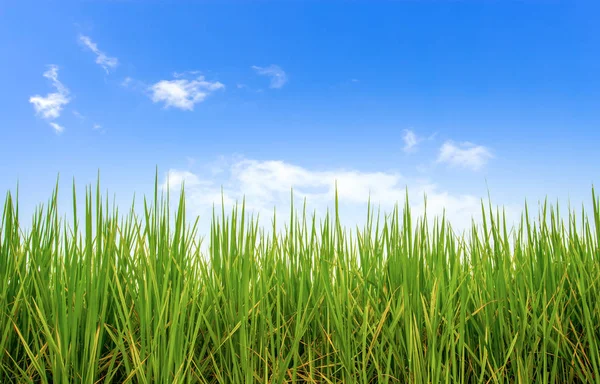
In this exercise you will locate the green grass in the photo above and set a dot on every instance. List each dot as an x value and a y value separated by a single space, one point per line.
109 297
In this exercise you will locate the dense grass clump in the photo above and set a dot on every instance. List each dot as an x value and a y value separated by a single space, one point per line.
108 298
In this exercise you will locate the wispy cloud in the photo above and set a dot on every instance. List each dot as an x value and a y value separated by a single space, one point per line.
127 82
57 128
178 75
183 93
277 75
51 106
134 84
410 140
78 115
99 128
464 155
102 58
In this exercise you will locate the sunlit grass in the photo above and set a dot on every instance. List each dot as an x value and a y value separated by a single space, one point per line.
110 297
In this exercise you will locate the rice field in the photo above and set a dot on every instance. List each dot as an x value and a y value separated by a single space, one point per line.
110 296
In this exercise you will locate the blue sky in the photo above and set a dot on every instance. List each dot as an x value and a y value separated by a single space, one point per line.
447 98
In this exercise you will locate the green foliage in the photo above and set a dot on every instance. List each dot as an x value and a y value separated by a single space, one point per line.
131 298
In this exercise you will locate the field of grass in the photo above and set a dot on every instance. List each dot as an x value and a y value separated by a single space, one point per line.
110 297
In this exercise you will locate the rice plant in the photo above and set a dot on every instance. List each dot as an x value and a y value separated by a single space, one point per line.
111 297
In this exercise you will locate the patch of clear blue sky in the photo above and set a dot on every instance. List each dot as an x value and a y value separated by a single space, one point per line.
522 78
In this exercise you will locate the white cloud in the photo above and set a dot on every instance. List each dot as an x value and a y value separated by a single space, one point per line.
410 140
277 75
183 93
126 82
267 184
177 75
134 84
464 155
98 128
102 59
175 178
57 128
50 106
